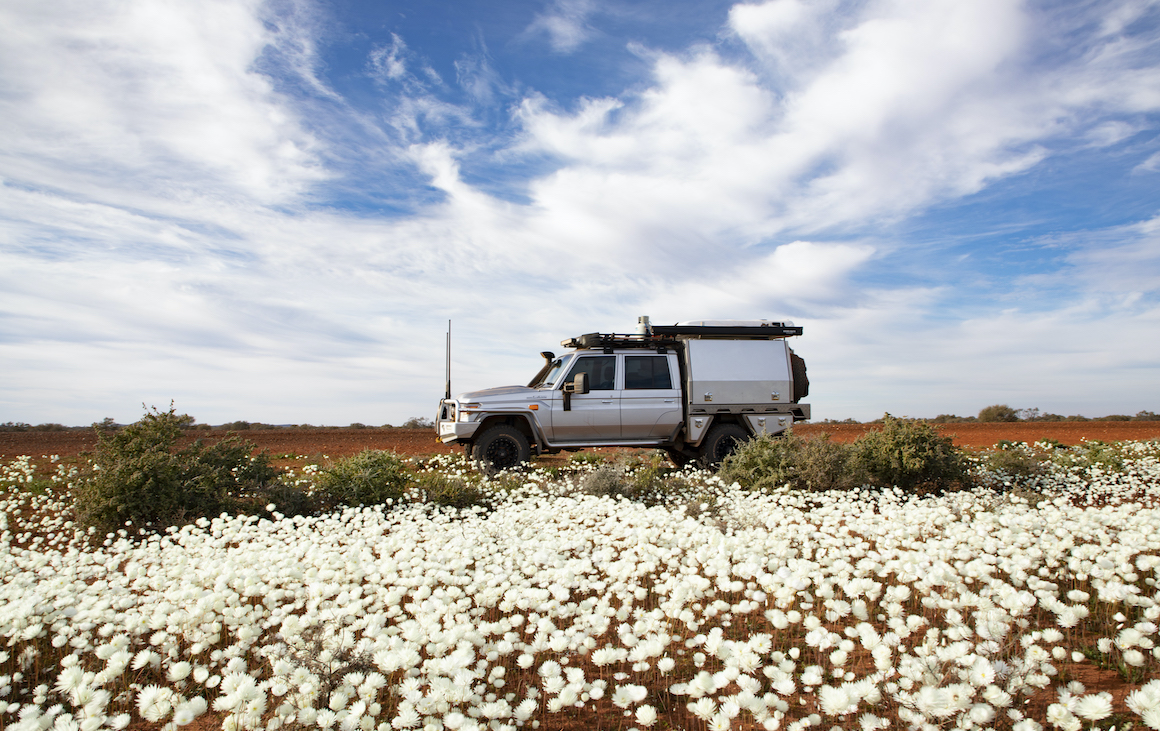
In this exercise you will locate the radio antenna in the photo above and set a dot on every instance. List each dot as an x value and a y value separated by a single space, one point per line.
448 395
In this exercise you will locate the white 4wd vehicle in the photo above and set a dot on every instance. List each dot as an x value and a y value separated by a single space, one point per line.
695 389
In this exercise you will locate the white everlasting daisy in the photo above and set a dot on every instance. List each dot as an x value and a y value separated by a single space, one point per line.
626 695
1094 707
524 710
1145 698
982 673
1059 716
179 671
836 701
554 684
703 708
646 715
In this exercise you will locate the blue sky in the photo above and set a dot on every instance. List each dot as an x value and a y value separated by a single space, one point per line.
269 211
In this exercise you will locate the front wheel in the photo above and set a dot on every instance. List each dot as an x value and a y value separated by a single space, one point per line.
722 441
500 448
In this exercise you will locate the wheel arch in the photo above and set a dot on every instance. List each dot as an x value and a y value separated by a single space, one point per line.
518 420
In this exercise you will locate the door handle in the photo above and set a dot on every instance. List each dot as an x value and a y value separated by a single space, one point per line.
606 402
670 401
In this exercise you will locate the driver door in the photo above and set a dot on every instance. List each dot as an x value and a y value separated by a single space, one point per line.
594 416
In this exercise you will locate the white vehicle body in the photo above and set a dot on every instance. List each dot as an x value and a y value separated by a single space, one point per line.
694 389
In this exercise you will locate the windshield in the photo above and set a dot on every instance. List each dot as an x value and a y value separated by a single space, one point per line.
548 379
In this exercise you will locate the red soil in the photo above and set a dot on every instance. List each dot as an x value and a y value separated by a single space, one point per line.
337 442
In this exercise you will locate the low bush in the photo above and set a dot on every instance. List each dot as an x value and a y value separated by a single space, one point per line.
139 475
998 412
904 453
1085 455
764 462
1014 460
369 477
451 492
607 480
585 458
951 419
911 455
806 464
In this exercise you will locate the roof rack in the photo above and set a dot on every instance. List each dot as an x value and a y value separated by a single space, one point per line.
764 331
668 335
594 341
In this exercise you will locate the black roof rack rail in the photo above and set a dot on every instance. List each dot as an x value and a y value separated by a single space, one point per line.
593 341
731 332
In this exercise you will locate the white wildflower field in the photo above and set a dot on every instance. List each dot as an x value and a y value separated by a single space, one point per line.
705 606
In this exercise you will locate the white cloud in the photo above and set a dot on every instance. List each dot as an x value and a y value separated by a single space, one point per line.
908 107
789 36
1126 261
389 62
1109 133
565 23
149 94
1151 165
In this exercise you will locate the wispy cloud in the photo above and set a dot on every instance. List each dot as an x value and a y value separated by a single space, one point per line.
565 23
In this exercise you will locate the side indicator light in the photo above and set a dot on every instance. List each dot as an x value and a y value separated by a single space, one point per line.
533 407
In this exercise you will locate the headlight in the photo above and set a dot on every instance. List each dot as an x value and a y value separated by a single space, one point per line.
465 411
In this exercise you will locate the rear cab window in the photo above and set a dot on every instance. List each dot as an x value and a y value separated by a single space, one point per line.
647 372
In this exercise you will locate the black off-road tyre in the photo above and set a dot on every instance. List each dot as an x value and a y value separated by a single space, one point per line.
501 447
679 458
722 441
801 382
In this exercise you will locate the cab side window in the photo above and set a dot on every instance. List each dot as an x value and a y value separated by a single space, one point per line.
646 371
601 372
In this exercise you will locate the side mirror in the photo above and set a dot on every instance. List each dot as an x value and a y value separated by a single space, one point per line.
579 384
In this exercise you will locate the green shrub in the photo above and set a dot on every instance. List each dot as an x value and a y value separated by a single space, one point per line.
909 454
951 419
605 481
368 478
763 462
998 412
582 458
806 464
289 500
1014 460
905 453
451 492
1105 455
139 475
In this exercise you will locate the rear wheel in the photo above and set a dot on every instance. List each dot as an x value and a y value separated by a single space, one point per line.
501 448
722 441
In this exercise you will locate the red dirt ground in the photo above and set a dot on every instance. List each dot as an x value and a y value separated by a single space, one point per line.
337 442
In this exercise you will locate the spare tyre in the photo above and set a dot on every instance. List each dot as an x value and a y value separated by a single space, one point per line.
801 382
